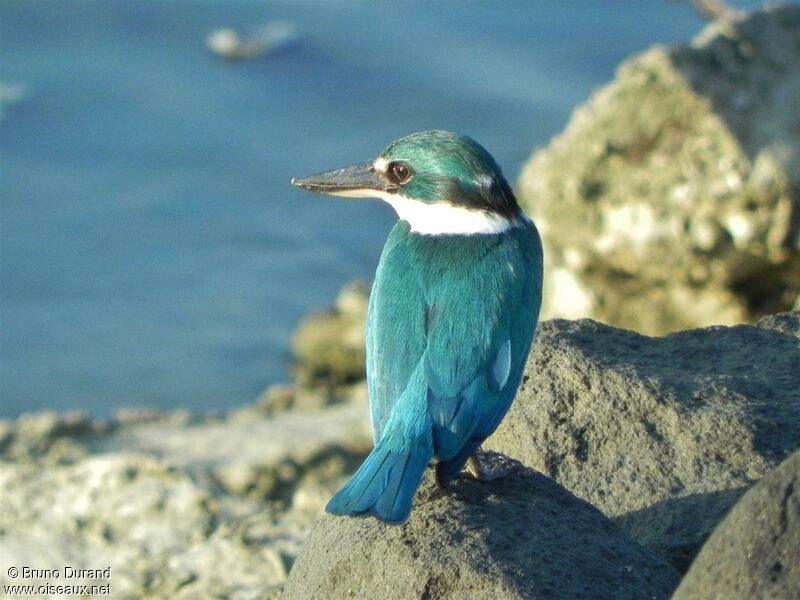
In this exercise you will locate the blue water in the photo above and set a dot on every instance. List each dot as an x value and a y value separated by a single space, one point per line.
152 251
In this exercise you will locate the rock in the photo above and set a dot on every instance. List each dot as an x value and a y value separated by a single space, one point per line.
48 435
269 38
277 399
177 505
329 346
141 415
755 551
672 199
271 474
661 434
522 536
153 527
248 454
12 93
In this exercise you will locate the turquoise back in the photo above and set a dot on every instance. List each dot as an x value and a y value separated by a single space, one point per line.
453 301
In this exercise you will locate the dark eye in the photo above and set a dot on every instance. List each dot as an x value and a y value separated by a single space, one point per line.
398 172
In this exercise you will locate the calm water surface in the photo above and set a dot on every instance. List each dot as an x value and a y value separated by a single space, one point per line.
152 251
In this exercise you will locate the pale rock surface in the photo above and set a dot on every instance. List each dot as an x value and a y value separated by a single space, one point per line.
672 198
177 506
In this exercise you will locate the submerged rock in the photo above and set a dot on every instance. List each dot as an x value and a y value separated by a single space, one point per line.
11 93
755 551
672 199
522 536
662 434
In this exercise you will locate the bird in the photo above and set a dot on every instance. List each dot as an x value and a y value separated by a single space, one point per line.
452 314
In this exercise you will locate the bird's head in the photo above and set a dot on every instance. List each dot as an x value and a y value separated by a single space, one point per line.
440 182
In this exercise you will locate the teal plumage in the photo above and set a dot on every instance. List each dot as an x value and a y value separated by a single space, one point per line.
450 323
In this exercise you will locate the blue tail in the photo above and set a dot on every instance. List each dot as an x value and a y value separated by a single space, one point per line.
384 485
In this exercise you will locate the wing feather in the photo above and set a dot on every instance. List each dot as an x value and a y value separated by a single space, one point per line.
470 322
478 341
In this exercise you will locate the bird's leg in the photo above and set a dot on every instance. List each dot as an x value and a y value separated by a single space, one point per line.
474 467
488 466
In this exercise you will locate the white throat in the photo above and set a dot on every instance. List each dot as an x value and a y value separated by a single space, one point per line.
444 218
439 218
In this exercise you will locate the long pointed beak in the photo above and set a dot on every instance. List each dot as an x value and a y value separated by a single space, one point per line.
356 181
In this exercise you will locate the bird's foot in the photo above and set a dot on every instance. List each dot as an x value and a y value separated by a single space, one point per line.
487 466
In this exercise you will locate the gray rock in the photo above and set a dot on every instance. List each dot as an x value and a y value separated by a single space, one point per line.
522 536
662 434
672 198
755 551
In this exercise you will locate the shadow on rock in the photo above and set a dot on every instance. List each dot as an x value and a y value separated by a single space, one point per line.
678 528
629 422
522 536
754 551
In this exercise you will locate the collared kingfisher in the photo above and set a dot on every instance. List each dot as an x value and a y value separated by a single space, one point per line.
452 313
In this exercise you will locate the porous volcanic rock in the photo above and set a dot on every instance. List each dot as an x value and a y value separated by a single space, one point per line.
522 536
663 434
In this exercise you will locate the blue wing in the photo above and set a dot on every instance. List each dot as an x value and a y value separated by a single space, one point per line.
477 345
468 309
396 334
449 328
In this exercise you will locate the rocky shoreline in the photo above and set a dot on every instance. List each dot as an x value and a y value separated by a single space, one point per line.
177 506
643 466
631 451
647 444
